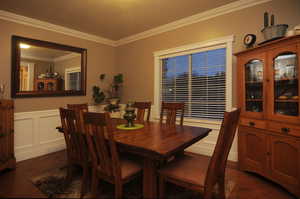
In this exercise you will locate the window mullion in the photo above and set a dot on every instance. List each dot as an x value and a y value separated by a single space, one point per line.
190 86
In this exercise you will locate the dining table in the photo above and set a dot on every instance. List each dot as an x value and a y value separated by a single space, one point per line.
155 143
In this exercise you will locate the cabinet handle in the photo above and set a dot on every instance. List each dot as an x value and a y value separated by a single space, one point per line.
285 130
251 124
268 153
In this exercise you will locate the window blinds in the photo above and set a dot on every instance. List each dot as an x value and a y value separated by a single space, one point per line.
198 80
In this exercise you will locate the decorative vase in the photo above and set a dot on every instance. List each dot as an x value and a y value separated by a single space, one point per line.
129 116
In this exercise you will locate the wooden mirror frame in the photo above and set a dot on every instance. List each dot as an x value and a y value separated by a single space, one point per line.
15 68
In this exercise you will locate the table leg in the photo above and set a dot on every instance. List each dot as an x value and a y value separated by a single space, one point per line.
149 179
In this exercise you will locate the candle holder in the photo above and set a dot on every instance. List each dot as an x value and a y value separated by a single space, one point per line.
2 90
129 115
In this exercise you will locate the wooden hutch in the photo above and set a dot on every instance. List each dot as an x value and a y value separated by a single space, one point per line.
48 84
269 132
7 156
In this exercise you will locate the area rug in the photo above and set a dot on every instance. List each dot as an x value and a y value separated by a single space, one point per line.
53 185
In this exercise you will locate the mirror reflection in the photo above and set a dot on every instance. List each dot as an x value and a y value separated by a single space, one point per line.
48 69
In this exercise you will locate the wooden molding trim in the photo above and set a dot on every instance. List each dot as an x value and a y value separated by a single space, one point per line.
228 8
9 16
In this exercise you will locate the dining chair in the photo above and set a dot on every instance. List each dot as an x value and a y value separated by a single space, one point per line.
171 109
76 146
193 172
142 107
107 164
79 109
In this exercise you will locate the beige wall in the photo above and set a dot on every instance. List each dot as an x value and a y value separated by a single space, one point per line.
135 60
100 59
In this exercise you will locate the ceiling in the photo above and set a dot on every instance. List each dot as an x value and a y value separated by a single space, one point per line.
112 19
41 53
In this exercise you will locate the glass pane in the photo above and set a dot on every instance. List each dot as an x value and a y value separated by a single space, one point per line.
175 79
254 86
286 84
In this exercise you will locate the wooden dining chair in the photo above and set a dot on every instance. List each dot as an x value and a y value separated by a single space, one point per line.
171 109
107 165
77 153
79 109
192 172
142 107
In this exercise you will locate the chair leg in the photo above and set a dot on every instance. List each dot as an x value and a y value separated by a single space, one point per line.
208 192
69 173
118 190
84 183
221 188
95 183
161 187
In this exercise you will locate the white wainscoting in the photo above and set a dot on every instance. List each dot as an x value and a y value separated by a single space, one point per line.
206 146
35 134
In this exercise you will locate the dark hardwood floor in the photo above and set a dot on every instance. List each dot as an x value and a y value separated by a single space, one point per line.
17 184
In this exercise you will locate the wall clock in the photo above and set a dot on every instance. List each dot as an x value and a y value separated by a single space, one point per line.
249 40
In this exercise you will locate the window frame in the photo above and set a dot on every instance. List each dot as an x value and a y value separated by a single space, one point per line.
226 42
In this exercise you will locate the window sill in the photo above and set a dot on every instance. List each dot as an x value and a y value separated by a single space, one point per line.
197 122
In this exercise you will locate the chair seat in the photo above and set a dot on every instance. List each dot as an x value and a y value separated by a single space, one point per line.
187 168
129 168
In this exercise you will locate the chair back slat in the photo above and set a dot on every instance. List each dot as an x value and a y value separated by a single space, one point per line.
101 144
171 109
72 134
218 161
78 107
142 107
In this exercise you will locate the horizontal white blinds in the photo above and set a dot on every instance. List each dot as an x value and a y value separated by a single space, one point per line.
198 80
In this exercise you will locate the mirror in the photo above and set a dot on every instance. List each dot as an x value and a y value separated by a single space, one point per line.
44 69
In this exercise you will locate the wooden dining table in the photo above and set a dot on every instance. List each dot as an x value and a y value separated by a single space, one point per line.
155 143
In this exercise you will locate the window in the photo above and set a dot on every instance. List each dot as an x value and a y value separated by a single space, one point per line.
198 76
72 78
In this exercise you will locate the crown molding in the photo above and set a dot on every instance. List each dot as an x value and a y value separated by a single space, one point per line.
36 58
9 16
66 57
228 8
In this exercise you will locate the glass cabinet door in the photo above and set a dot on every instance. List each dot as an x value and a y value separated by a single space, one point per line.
286 84
254 85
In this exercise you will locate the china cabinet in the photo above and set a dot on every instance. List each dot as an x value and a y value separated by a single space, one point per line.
268 95
7 157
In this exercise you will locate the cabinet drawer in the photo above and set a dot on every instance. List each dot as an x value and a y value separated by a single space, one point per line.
284 128
253 123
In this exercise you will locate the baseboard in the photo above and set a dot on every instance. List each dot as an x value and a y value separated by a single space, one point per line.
42 150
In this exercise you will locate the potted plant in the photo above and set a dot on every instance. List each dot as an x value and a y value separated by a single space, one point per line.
112 94
98 95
